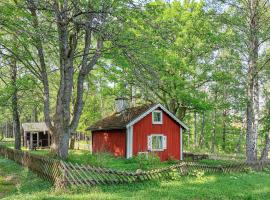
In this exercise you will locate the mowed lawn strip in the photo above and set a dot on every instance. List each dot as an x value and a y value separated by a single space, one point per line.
18 183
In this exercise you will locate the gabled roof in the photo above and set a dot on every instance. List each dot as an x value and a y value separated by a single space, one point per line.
35 127
129 117
119 120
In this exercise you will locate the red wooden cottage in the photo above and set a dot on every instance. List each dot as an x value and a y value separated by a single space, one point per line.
147 128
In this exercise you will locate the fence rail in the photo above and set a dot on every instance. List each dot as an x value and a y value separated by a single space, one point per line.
64 174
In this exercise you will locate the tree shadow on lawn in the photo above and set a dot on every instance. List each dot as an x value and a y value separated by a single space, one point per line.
15 179
230 186
32 183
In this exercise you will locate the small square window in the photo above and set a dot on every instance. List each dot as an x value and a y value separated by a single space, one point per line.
157 117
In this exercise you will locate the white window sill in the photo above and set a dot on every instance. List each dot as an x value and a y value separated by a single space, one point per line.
157 123
157 149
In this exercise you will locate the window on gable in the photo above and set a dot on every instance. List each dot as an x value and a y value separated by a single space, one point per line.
157 117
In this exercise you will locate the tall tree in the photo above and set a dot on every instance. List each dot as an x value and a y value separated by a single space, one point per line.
66 37
171 61
249 19
14 104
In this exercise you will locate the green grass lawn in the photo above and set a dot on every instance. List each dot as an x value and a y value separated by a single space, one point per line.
17 182
15 179
107 160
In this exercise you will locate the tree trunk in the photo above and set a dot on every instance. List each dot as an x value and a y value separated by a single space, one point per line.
195 129
188 144
72 141
1 134
251 143
34 115
213 138
202 138
14 105
239 146
60 141
264 154
224 130
256 112
250 137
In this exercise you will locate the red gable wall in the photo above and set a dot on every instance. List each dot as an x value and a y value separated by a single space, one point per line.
170 128
113 141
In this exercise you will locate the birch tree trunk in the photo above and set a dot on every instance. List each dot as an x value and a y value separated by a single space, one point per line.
251 144
256 111
265 151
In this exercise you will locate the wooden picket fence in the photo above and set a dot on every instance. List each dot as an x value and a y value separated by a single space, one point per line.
46 168
63 174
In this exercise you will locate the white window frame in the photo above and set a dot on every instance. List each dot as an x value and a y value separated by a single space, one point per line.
161 117
164 146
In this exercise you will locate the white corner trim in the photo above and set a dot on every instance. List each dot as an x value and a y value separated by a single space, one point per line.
151 110
129 140
161 117
181 144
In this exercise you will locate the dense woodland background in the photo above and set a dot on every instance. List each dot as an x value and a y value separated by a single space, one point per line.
206 61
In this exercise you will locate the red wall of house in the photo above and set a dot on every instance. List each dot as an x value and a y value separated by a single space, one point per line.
113 141
170 128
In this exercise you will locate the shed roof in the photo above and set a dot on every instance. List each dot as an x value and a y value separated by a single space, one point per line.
35 126
128 117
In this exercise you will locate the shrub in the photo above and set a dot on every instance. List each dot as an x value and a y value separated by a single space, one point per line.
197 173
142 160
172 160
101 159
174 174
145 160
153 159
248 169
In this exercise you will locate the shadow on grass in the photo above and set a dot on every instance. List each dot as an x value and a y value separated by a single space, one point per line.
19 179
231 186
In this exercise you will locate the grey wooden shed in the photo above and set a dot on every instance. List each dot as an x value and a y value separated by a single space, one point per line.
36 135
